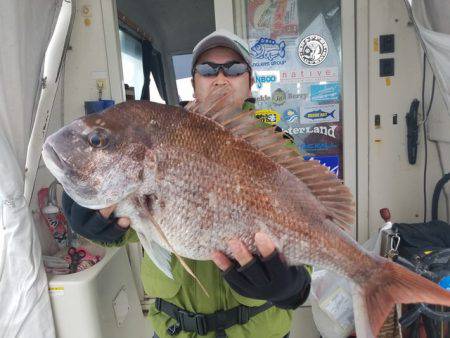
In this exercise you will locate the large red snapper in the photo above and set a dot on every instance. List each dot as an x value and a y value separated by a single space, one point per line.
197 180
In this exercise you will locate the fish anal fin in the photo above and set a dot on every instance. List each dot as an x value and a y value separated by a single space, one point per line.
395 284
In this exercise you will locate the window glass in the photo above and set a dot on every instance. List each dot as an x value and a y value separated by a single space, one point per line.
296 50
182 68
133 74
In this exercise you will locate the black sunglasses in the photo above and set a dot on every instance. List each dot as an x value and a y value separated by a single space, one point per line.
232 68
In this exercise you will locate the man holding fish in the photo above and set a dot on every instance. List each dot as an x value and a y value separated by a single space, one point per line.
192 181
250 295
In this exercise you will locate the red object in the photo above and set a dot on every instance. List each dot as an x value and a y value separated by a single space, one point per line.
57 224
385 214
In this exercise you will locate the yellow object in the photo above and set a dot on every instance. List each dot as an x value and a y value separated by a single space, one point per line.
388 81
101 84
268 116
376 47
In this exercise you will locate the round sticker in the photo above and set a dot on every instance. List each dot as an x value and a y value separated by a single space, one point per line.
312 50
290 115
278 97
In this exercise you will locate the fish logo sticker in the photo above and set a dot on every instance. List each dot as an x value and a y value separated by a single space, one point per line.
319 113
268 49
290 115
312 50
324 92
268 116
278 97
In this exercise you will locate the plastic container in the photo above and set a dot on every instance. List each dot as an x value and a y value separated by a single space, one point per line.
100 301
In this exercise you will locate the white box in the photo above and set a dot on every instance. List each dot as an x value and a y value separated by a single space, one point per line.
100 301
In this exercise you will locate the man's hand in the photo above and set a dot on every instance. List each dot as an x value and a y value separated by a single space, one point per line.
96 225
123 222
241 254
265 276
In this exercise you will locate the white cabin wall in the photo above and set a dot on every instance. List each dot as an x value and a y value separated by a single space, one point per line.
94 54
391 181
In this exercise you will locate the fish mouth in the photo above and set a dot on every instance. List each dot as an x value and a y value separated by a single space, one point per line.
54 157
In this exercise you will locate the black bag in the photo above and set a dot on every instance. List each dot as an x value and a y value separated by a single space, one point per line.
422 238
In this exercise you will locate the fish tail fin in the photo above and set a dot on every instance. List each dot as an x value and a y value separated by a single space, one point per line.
395 285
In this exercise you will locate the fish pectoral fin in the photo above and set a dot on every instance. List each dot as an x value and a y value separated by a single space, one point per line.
160 257
182 261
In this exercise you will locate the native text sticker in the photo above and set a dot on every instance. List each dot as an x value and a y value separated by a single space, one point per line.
309 75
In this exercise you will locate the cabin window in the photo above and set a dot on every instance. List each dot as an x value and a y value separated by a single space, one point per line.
133 76
183 76
296 51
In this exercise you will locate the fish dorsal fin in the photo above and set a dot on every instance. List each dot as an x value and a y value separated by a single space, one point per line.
327 188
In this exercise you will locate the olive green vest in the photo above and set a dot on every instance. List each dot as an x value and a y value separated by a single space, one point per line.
185 292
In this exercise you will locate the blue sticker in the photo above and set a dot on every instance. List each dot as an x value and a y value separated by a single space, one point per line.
320 114
268 49
262 79
445 283
331 162
315 147
325 92
290 115
315 113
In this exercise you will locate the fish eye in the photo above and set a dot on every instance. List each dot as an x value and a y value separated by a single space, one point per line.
98 138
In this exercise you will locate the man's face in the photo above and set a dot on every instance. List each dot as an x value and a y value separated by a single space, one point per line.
204 84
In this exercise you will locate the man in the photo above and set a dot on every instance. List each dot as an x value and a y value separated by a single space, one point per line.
252 296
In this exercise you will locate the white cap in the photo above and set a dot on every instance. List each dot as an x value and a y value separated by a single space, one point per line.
222 38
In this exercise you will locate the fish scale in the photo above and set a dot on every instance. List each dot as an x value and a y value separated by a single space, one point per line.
243 225
189 184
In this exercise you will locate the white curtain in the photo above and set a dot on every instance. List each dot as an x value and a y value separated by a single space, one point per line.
25 30
431 18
